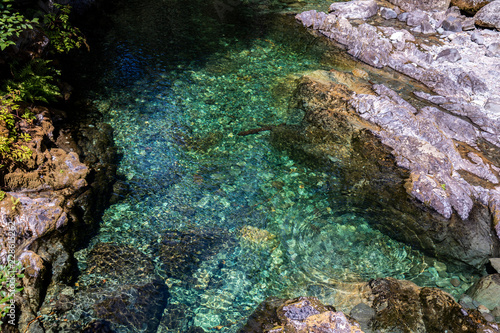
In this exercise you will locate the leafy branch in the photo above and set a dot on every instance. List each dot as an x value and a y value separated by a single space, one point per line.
63 36
12 24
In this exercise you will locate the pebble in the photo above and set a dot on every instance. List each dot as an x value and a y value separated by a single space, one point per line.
496 311
466 301
483 309
442 283
489 317
455 282
388 13
493 50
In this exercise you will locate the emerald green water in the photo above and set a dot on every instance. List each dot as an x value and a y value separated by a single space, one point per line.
177 82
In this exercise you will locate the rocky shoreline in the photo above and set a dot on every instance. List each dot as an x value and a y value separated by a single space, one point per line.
425 163
59 200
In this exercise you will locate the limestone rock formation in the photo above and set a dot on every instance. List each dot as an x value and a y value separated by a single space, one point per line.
449 146
377 139
489 15
357 9
409 5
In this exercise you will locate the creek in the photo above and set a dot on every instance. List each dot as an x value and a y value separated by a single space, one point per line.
177 81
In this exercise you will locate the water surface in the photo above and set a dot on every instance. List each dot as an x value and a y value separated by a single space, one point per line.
177 80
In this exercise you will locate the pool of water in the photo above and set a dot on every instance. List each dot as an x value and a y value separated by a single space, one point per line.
177 81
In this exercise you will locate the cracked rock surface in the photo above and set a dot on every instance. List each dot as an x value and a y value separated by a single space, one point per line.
451 146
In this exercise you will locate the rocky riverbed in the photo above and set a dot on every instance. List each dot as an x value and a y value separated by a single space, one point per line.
429 159
420 159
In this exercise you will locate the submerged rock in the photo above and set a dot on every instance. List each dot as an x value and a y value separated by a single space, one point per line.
487 291
121 291
181 252
299 315
389 305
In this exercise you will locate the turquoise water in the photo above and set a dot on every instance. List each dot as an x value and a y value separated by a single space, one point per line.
176 101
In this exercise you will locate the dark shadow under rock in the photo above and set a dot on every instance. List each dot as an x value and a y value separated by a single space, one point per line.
119 291
135 307
181 252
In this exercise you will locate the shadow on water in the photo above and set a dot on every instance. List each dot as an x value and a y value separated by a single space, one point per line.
138 37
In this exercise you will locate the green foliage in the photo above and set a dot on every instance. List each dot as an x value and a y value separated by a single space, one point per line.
12 23
15 202
63 36
12 144
2 195
9 285
34 81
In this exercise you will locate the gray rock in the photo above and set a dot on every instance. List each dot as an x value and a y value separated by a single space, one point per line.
489 15
451 55
403 17
468 24
363 315
429 5
487 291
388 13
452 23
454 11
493 50
356 9
470 6
471 81
477 37
416 17
493 105
495 263
312 18
440 30
466 302
424 28
488 317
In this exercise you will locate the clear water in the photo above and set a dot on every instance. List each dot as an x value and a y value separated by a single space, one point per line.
177 83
